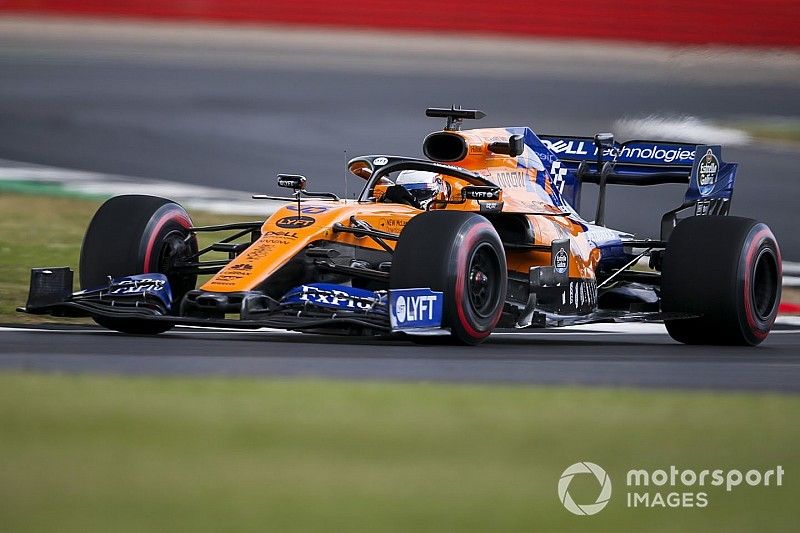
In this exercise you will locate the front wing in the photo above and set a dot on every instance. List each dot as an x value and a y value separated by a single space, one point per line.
313 307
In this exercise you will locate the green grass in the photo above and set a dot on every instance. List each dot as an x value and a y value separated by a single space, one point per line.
174 454
45 231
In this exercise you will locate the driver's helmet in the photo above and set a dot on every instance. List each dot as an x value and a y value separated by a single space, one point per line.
424 186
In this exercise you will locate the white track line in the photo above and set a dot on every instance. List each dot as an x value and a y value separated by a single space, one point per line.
788 320
85 183
587 329
791 268
15 329
179 329
791 274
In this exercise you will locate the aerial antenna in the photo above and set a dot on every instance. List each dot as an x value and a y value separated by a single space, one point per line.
346 192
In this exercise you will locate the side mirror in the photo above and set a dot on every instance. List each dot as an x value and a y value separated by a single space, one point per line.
361 169
513 147
292 181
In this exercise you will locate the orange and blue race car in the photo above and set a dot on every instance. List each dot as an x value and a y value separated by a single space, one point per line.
483 234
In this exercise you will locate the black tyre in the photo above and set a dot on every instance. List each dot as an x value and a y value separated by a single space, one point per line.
136 234
461 255
728 271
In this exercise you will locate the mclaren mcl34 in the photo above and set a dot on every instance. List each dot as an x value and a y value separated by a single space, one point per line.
482 234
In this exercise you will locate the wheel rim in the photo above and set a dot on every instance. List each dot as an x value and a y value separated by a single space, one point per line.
173 248
482 277
763 292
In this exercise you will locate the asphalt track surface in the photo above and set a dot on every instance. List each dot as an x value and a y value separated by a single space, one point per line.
607 355
235 112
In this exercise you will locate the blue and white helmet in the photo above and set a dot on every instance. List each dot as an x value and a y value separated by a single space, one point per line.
424 186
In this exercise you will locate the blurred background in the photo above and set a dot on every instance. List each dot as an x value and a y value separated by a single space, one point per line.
746 22
226 93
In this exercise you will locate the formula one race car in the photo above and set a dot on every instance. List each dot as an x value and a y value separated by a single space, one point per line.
485 233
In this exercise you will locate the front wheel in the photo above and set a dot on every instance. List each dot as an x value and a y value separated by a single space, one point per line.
727 271
136 234
459 254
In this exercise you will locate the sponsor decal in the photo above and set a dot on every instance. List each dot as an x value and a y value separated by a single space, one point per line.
380 161
509 179
398 223
415 308
650 153
474 192
295 222
490 207
561 261
281 234
309 210
237 271
545 157
152 284
632 152
333 297
707 169
291 182
137 285
711 179
568 147
260 250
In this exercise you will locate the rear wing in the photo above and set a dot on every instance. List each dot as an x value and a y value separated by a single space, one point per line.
709 180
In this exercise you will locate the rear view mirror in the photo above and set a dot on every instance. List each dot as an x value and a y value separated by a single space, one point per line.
513 147
360 168
292 181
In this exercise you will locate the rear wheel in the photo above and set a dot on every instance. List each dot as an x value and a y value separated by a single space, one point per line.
727 270
459 254
136 234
